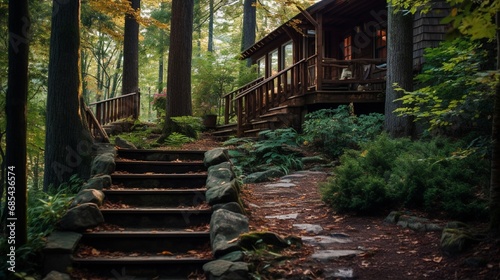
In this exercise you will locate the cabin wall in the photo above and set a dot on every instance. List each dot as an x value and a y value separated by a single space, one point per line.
428 31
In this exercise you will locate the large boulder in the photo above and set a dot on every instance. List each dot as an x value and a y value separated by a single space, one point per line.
124 144
226 270
81 217
98 182
263 176
225 226
216 156
223 193
231 206
220 173
88 196
103 164
457 237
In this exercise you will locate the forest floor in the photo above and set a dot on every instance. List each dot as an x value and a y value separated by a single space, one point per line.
388 251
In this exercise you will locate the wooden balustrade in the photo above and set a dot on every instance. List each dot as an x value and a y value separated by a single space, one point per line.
117 108
229 104
96 130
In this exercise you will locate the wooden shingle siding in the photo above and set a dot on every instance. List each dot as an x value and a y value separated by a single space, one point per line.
428 31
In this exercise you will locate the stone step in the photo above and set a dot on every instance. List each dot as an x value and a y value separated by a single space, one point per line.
141 267
170 167
162 155
157 217
194 180
156 242
156 198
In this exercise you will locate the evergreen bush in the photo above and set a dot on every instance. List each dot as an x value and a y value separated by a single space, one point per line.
424 175
333 130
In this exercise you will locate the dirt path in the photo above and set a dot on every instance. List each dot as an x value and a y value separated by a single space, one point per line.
373 249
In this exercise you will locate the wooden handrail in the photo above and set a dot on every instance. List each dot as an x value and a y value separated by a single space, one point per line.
95 128
117 108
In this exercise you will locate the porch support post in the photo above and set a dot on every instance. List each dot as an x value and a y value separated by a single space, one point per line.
319 52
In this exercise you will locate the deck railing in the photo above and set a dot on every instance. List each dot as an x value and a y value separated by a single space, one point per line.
258 99
230 109
117 108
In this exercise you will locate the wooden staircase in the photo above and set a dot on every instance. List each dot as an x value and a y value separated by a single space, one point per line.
156 219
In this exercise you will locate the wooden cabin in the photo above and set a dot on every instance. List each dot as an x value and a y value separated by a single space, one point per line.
332 53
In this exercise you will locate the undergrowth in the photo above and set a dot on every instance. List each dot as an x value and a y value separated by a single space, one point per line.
44 211
436 176
275 148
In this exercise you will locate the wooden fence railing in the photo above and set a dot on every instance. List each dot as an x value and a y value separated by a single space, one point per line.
117 108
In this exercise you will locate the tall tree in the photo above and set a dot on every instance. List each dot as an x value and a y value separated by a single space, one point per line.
130 82
210 47
67 140
17 94
399 69
179 62
249 26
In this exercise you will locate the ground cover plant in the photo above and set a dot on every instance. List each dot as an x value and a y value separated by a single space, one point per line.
436 176
274 148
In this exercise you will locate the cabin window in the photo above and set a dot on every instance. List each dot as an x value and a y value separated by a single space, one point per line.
273 62
287 55
381 44
348 48
261 67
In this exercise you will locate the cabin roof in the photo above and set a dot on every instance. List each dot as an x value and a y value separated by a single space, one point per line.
339 13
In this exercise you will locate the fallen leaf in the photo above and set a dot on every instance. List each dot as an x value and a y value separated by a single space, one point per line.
95 252
166 253
437 259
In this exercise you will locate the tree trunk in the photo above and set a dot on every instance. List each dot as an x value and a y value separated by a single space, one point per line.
249 26
67 141
130 81
114 85
210 47
495 155
399 69
179 62
15 109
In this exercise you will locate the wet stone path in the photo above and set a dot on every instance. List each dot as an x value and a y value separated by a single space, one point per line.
291 205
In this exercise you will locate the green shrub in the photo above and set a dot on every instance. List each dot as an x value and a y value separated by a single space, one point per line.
333 130
425 175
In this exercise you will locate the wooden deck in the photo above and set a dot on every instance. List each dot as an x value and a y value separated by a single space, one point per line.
283 99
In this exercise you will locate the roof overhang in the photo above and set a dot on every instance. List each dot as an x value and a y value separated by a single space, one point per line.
340 13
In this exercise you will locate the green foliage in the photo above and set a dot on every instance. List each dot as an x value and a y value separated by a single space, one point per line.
470 17
333 130
434 176
43 213
274 148
176 139
188 125
215 75
451 95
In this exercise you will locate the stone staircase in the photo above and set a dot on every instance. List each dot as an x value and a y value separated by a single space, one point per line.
156 218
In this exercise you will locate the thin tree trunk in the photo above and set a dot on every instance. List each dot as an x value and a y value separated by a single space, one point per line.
399 70
211 26
17 98
249 26
495 157
130 82
114 85
67 140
